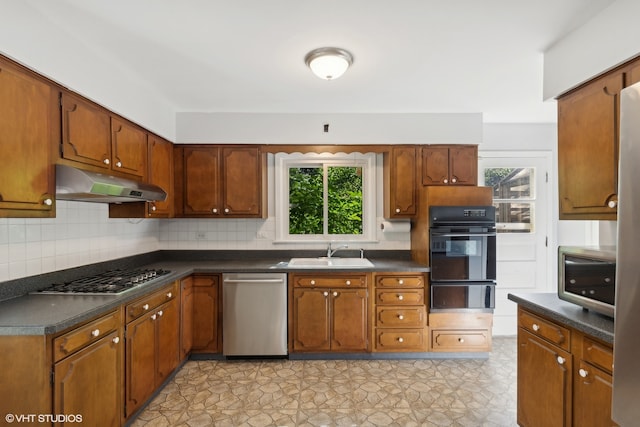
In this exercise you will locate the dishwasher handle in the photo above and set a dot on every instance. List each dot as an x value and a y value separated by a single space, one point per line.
253 281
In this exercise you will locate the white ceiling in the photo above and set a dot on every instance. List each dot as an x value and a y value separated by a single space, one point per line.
411 56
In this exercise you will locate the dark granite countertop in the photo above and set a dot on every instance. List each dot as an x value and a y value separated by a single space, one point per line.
22 313
572 315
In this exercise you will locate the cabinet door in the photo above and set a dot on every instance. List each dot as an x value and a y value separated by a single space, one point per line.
28 123
89 383
242 191
349 319
400 182
435 165
129 148
160 158
311 320
205 313
592 397
201 181
186 321
633 73
588 122
463 165
86 132
167 339
544 383
140 367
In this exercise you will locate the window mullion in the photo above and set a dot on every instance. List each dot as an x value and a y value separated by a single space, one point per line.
325 199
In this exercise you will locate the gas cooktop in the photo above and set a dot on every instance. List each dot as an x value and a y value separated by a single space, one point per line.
111 282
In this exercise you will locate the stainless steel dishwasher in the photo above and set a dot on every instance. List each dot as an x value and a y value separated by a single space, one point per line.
254 314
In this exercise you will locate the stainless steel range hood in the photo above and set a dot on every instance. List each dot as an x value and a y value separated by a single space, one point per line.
80 185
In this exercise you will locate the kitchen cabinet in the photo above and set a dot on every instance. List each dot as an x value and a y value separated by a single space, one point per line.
29 129
450 165
206 313
460 332
186 317
92 136
152 345
588 144
400 182
220 181
564 376
400 312
329 313
87 372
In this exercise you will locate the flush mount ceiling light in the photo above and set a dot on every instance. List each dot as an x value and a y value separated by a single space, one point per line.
328 63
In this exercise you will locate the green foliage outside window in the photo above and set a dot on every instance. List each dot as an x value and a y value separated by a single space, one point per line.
344 200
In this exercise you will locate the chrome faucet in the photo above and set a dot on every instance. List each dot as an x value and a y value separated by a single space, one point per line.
331 251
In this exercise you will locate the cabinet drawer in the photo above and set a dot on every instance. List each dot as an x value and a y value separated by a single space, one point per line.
405 317
149 302
400 281
597 354
542 328
332 281
400 296
460 340
400 339
81 337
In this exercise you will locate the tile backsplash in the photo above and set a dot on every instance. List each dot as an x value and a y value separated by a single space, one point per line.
82 233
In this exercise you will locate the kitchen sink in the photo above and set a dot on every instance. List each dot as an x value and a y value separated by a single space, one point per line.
324 262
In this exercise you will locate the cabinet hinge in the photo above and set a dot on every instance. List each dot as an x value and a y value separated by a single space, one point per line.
546 177
546 241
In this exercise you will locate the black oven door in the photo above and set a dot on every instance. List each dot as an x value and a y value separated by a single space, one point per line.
463 296
461 256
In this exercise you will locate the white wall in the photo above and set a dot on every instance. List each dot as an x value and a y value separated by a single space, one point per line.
36 41
609 39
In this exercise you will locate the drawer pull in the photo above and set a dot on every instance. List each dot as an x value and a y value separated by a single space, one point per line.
400 297
400 339
145 307
583 373
116 340
460 340
401 317
313 282
348 282
536 327
95 332
169 295
561 360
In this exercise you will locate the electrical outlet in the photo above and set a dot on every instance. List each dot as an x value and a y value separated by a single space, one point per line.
200 235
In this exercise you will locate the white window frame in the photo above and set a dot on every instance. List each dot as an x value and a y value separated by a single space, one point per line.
366 161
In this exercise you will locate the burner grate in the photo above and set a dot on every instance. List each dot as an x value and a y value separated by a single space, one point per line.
109 282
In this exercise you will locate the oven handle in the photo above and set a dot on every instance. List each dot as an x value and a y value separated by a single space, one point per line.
437 234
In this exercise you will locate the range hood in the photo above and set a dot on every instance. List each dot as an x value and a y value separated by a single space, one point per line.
80 185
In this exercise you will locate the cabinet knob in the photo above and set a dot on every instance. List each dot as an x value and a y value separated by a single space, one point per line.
400 282
95 332
169 295
115 340
446 181
561 360
400 339
583 373
313 282
454 180
153 207
397 210
118 164
401 317
145 307
154 317
460 340
160 313
400 297
47 202
106 161
536 327
227 210
325 293
612 204
348 282
335 294
214 210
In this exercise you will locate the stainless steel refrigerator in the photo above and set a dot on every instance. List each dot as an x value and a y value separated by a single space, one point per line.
626 345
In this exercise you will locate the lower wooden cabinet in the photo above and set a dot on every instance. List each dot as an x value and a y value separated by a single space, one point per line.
460 332
206 313
186 317
87 374
564 376
324 317
152 347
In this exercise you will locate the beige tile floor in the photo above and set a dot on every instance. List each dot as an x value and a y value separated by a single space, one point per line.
424 392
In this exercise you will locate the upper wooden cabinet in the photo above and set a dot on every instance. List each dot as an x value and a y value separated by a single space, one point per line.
160 173
220 181
400 183
588 143
450 165
93 137
29 125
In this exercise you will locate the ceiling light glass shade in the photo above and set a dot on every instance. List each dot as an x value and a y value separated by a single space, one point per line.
328 63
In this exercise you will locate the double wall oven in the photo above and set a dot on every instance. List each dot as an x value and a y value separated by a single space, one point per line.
462 258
